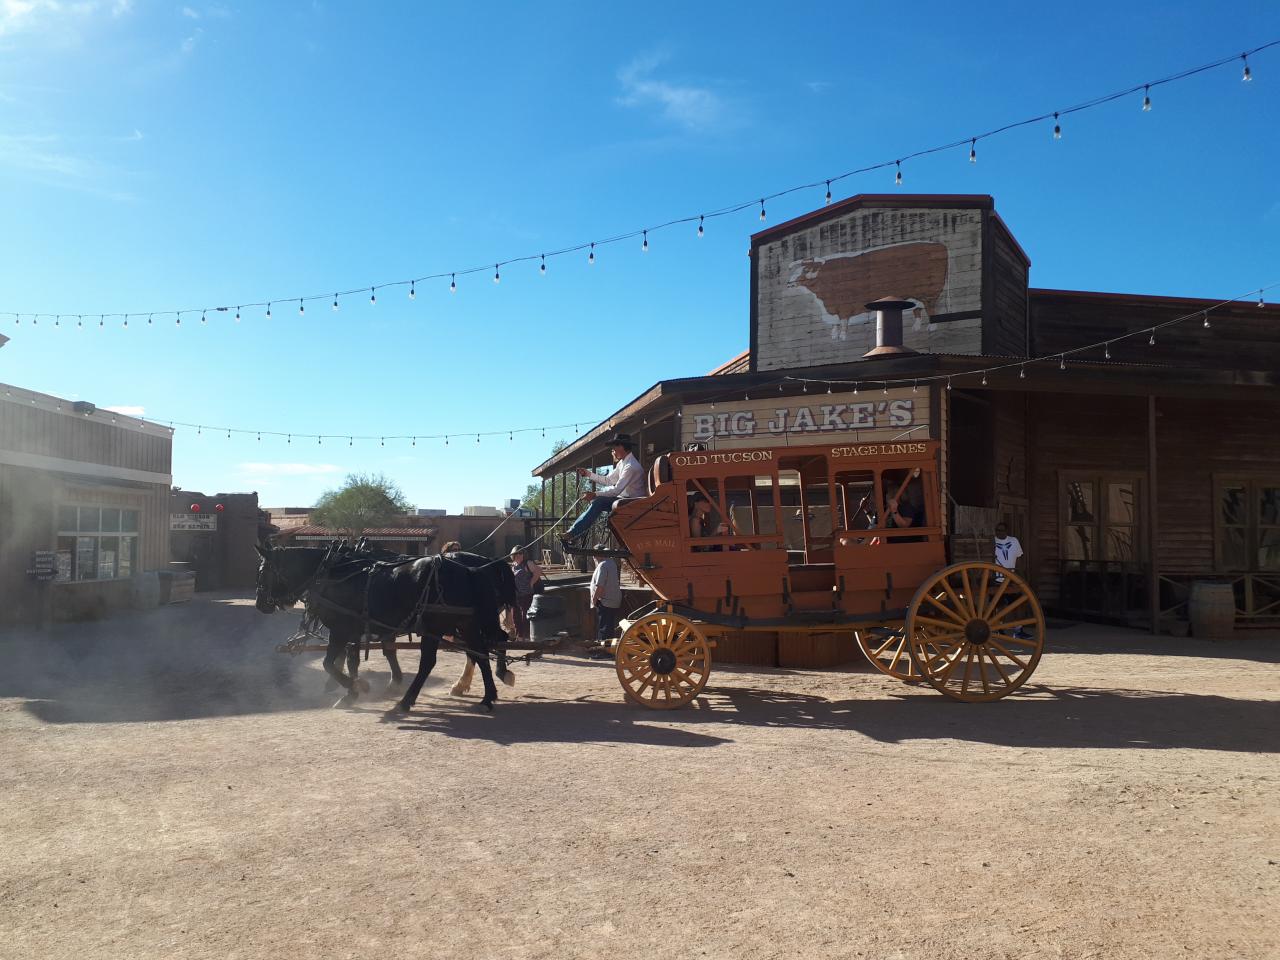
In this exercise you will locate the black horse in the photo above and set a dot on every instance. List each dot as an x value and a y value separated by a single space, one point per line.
461 596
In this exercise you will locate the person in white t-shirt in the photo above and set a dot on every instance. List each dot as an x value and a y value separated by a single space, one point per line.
625 480
1008 552
1008 549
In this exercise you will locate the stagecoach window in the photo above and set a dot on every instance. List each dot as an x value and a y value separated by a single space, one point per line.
96 543
856 500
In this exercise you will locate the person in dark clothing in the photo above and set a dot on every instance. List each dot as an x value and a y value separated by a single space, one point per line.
527 574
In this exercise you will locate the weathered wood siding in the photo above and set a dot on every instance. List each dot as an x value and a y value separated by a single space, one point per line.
1241 337
1102 434
811 285
1197 439
1004 309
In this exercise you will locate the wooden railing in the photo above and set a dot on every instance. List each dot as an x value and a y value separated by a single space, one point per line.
1257 596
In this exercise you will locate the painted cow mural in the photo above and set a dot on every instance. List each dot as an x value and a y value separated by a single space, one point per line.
844 283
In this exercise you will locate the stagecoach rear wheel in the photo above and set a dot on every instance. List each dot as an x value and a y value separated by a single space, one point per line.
663 661
975 631
886 649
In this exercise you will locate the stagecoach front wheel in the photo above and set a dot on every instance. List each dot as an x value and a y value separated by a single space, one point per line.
975 631
663 661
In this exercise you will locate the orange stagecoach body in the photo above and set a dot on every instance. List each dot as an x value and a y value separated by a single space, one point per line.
792 533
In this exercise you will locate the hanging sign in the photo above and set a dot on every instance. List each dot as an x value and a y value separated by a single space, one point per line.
193 521
869 415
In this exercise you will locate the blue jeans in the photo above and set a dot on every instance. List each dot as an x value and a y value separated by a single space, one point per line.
596 507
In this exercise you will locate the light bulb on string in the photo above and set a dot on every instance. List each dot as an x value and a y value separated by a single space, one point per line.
382 441
897 178
288 438
102 319
497 277
542 267
1248 74
1106 352
413 293
948 383
228 433
827 202
178 319
510 435
1261 302
237 316
762 211
318 443
335 303
1146 99
984 378
828 388
644 247
477 438
351 441
259 437
268 311
1022 372
973 150
1152 341
1057 128
126 321
1062 362
915 386
885 390
591 256
855 389
373 296
199 430
700 228
446 439
1206 319
453 283
301 309
203 319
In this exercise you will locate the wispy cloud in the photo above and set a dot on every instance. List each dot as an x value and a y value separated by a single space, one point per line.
127 410
189 43
47 159
691 106
19 15
287 469
819 86
191 14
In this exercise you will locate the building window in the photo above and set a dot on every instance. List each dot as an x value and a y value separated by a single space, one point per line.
1247 519
96 543
1101 521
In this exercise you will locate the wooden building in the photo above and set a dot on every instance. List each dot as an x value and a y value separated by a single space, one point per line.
423 536
84 507
1128 471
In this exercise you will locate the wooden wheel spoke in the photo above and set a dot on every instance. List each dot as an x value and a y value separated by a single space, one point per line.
1020 641
945 675
990 609
1022 664
1009 608
936 624
970 607
982 671
950 612
942 655
885 646
968 662
898 656
999 669
959 611
980 598
1006 624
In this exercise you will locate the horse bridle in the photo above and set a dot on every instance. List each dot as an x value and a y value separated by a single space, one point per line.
294 595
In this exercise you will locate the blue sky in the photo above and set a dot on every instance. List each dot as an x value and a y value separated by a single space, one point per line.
160 155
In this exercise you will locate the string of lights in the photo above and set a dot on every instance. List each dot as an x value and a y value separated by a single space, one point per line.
148 317
981 374
1059 357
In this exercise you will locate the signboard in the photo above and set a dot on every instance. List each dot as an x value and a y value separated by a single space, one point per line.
813 284
44 565
867 416
193 521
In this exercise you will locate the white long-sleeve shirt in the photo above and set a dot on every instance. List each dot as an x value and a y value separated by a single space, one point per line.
626 479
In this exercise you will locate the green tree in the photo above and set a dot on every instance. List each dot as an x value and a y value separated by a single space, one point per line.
363 502
568 487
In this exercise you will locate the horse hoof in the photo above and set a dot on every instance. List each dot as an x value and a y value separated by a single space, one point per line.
346 702
485 704
399 710
458 690
509 678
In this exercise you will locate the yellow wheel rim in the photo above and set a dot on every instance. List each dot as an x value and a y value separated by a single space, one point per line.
888 651
976 631
663 661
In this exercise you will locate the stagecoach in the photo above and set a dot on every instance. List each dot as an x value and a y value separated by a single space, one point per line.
804 539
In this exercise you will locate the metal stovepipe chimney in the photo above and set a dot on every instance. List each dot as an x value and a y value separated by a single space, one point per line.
889 327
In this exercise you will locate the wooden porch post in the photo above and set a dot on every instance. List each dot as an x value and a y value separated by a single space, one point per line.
1153 566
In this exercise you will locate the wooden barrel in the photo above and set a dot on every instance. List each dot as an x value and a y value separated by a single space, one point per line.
1212 608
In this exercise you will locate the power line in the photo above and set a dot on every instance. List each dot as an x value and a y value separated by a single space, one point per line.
700 218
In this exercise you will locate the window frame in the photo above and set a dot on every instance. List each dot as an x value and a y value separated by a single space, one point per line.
1252 482
1102 523
119 535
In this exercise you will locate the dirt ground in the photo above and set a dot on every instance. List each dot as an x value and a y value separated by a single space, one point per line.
170 787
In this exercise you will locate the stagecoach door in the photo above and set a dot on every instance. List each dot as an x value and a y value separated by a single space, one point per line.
808 527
